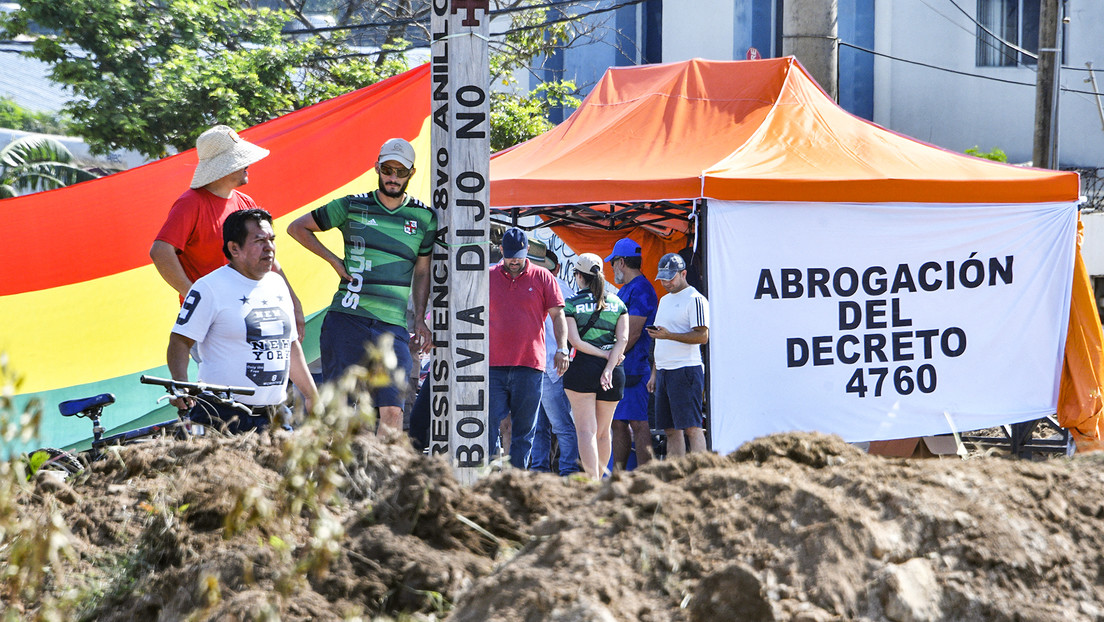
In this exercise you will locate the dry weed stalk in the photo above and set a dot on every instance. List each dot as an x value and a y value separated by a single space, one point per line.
315 458
35 542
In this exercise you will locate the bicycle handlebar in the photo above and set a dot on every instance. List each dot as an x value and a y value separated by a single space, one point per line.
194 388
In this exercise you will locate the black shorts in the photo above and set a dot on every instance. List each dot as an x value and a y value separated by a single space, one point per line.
585 376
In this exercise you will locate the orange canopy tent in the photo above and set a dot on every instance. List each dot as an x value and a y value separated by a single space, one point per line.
650 145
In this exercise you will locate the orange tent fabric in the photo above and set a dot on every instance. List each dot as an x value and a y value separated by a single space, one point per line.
1080 400
743 131
764 131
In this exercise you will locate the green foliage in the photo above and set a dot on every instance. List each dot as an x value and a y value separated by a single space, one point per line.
38 163
528 38
152 74
342 74
515 118
15 117
996 155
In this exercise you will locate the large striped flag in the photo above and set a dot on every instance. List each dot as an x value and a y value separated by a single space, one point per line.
83 310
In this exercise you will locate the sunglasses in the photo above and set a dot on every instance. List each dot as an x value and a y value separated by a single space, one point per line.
401 173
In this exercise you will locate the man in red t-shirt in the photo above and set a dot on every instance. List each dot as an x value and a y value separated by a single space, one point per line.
521 295
189 244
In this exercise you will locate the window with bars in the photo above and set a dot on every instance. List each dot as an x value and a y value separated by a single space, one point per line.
1002 25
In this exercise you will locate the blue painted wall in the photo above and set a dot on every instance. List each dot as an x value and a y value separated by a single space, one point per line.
616 44
856 68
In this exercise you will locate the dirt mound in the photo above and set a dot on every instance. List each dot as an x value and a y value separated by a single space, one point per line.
793 527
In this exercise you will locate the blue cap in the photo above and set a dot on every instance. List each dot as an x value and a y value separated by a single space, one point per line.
514 244
625 247
670 265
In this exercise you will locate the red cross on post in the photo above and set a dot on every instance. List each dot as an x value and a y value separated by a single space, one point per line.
470 6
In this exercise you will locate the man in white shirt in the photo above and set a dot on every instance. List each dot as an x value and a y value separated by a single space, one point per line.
242 319
678 375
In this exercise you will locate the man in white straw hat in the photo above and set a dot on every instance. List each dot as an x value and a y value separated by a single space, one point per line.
189 244
388 238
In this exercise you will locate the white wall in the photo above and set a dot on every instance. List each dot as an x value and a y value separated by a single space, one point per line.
1092 247
959 112
701 29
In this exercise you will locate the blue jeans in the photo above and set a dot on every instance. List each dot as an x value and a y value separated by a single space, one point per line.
342 343
515 392
555 418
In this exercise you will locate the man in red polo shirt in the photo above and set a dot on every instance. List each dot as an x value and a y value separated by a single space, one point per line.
189 244
521 295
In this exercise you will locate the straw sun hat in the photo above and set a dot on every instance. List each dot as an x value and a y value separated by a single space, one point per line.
221 152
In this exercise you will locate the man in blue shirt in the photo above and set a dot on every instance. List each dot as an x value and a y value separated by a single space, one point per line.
630 420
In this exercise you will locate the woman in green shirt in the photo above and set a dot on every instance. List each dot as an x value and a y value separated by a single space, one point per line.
598 328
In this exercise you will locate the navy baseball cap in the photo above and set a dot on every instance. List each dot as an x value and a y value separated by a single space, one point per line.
670 265
514 244
625 247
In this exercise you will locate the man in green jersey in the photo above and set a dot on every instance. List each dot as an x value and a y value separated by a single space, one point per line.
388 238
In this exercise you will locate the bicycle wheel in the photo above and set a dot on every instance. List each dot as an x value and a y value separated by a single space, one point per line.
54 460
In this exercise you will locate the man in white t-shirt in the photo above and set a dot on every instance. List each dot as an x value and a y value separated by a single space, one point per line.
242 321
678 376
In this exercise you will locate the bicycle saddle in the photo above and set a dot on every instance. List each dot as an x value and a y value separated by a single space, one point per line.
74 407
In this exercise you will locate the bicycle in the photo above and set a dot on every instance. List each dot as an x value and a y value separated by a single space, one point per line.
67 464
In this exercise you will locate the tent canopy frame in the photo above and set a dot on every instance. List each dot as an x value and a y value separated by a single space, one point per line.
661 216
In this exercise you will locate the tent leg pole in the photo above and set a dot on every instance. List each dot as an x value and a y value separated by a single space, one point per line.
701 230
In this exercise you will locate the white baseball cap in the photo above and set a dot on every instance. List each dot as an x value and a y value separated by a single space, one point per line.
398 150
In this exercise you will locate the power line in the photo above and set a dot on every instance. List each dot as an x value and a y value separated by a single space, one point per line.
955 71
994 37
407 21
543 24
993 34
972 33
929 66
569 18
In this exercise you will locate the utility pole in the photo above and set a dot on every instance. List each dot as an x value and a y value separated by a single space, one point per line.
1047 85
810 31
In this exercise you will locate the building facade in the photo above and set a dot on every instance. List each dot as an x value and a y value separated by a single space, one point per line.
958 74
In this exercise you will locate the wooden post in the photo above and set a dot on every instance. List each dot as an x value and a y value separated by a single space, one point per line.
460 141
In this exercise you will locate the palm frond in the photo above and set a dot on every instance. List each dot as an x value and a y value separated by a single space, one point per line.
38 163
34 148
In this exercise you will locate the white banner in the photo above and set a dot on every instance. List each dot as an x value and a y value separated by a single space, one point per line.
885 321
